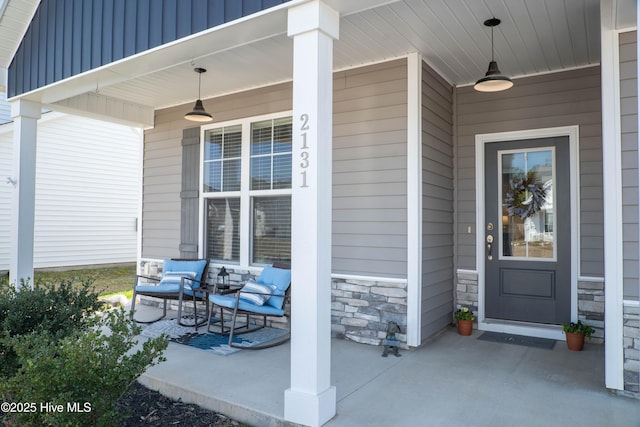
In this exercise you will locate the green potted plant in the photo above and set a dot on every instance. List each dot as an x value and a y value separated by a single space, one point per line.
464 318
576 332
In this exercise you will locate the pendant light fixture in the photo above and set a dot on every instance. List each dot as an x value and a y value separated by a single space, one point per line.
198 114
493 80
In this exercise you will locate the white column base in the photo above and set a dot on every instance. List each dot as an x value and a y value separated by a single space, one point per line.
310 409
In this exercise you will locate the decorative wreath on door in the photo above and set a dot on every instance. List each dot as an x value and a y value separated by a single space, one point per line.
525 196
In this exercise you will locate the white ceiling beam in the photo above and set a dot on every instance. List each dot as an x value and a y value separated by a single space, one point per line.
101 107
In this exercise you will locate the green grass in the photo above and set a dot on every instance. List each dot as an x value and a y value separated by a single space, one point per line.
106 280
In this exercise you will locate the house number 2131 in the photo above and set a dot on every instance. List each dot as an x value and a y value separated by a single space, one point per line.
304 154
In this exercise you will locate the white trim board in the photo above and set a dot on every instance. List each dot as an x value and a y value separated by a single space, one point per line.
414 200
612 196
523 328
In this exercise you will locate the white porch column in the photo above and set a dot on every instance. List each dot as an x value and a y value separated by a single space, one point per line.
612 199
311 400
25 115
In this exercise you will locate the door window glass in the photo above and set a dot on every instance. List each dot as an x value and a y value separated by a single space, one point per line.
527 203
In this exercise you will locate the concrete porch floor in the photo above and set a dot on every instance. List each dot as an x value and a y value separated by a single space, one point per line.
451 381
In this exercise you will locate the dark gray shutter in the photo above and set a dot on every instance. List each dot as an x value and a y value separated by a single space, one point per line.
189 193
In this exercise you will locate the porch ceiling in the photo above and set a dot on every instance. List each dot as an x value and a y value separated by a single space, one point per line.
535 37
14 18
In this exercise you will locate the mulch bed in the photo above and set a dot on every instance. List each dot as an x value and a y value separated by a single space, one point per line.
145 407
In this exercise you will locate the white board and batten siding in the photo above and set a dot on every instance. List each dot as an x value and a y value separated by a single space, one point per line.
551 100
369 168
629 130
437 202
87 192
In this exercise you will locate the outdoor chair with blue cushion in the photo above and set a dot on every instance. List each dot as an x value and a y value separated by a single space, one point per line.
264 297
181 279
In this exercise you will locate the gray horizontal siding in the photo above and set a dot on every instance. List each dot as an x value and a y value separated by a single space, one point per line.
437 202
629 130
68 37
369 171
550 100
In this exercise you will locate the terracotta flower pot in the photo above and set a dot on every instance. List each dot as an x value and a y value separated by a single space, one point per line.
575 342
465 327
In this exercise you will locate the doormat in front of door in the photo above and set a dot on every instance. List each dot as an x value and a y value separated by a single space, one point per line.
518 340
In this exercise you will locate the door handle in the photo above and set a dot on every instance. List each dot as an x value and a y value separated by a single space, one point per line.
489 247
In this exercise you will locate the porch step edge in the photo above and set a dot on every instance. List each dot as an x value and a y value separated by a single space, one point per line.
232 410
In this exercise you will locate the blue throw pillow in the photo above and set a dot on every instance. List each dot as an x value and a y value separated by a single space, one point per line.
255 293
172 265
173 278
278 277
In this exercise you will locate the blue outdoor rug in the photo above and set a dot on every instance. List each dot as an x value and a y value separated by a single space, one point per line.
203 340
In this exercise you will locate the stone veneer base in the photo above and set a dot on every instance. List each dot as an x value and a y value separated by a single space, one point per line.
360 309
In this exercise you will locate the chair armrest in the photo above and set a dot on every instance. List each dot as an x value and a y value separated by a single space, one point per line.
199 282
140 276
285 297
200 286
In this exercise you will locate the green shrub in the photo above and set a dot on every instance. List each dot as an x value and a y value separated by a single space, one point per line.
60 309
89 368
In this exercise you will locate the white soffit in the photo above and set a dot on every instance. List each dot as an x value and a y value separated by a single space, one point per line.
536 36
15 16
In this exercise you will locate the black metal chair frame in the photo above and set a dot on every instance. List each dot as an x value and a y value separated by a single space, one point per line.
246 328
179 297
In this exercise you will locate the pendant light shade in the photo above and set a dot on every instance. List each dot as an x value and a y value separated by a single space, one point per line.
493 80
198 114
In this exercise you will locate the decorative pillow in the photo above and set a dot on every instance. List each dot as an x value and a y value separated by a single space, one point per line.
173 265
173 278
280 278
255 293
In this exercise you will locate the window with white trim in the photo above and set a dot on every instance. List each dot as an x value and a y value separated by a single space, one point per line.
246 191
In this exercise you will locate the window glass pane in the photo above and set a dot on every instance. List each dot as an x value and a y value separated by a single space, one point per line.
282 135
222 153
212 177
271 154
233 143
261 173
261 137
231 175
223 229
271 217
213 144
527 204
282 171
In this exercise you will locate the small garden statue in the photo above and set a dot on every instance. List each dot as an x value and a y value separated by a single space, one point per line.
391 343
